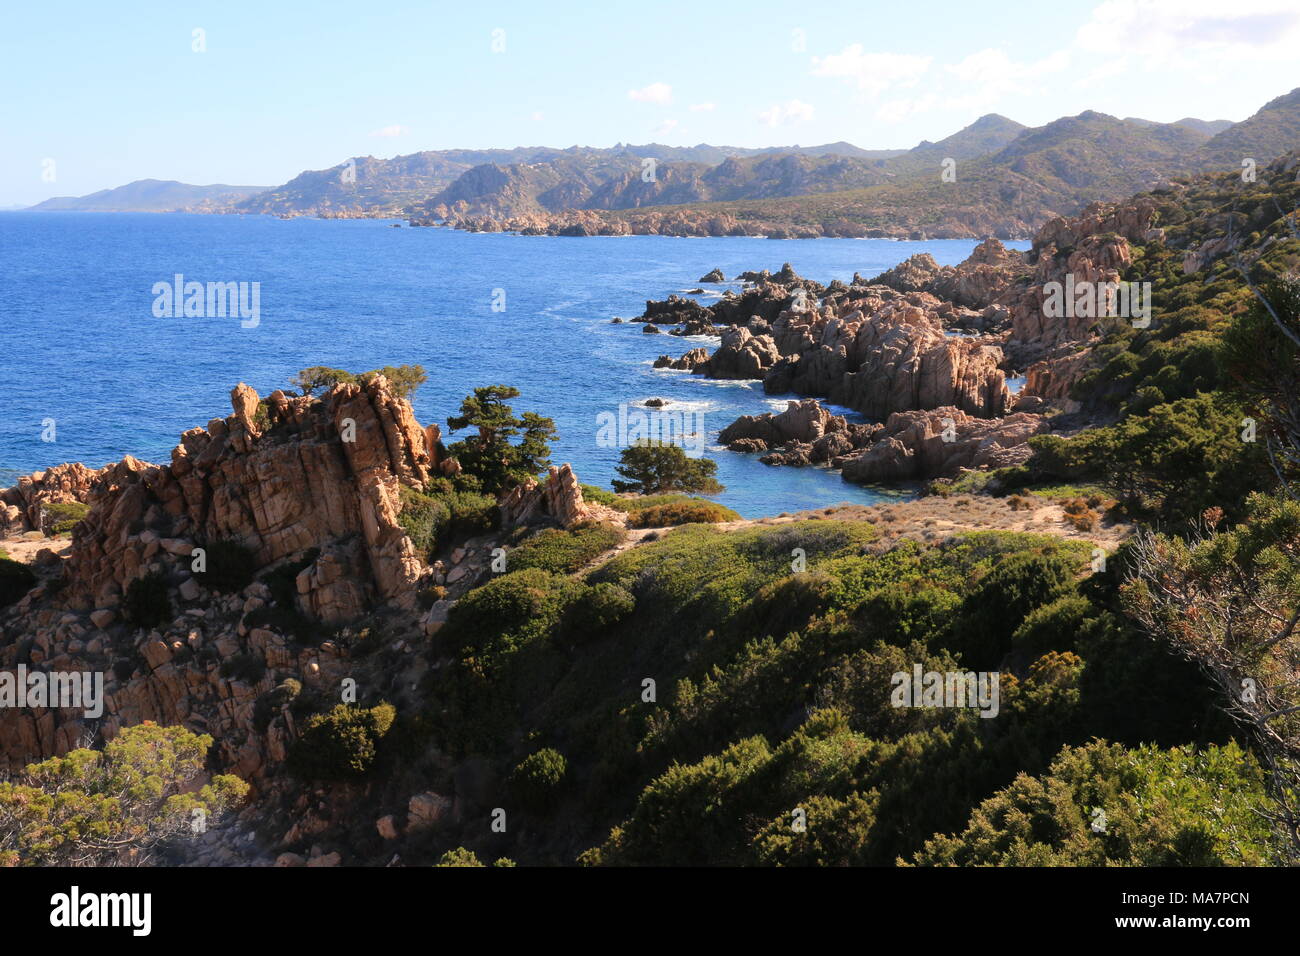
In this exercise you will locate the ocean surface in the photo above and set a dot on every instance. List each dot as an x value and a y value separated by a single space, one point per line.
85 360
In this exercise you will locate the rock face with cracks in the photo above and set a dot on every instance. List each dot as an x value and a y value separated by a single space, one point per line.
281 477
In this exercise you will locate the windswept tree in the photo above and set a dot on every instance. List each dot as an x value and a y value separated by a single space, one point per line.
491 455
403 380
118 806
653 467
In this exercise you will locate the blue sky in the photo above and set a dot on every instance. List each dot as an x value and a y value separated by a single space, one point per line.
99 94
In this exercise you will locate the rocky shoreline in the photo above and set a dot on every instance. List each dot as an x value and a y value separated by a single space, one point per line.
924 353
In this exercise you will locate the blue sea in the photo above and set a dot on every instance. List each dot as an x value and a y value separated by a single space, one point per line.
82 345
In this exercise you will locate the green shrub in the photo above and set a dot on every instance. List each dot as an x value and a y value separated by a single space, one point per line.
459 857
678 513
493 623
63 516
473 513
1153 807
463 857
600 496
1015 586
16 579
835 832
538 779
563 552
230 566
147 603
597 610
343 743
424 518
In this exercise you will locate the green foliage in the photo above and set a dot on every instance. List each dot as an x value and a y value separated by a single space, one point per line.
538 779
341 744
600 496
230 566
596 611
96 808
463 857
63 516
1173 462
16 579
681 512
490 456
403 380
494 623
1103 805
564 551
651 468
147 603
459 857
424 518
1015 586
834 832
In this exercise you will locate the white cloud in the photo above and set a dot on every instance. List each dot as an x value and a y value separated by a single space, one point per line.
667 126
872 73
1177 30
782 114
388 132
660 93
703 107
538 116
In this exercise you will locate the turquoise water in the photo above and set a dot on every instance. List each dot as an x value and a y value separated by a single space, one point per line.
82 345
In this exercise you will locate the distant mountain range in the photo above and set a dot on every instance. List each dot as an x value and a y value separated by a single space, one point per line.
1008 180
153 195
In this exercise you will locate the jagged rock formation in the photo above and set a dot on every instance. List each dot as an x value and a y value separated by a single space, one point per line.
976 283
940 443
311 487
1093 247
282 477
558 499
21 506
882 351
806 433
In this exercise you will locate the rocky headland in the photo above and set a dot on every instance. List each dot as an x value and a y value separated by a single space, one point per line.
924 353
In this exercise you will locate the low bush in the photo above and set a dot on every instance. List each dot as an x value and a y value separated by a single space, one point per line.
63 516
16 579
538 779
343 743
563 552
424 518
597 610
230 566
689 511
147 603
